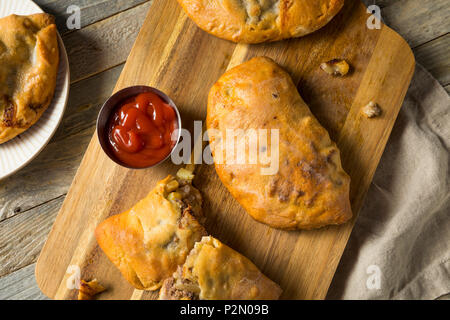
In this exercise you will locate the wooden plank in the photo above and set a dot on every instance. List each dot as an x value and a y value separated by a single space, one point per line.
435 57
425 25
50 174
105 44
23 236
418 21
176 52
21 285
381 3
91 11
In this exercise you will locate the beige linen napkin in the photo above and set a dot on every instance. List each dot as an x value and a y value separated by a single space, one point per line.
400 245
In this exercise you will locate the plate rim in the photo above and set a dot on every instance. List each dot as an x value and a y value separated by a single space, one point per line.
65 78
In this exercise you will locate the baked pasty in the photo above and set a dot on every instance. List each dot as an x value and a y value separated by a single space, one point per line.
150 240
29 58
308 187
254 21
213 271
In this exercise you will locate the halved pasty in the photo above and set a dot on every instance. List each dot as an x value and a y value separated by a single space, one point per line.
214 271
150 240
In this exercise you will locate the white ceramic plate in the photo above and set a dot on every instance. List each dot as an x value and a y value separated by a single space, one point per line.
18 152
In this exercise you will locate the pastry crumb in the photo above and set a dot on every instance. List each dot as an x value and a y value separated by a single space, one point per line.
88 289
336 67
186 174
371 110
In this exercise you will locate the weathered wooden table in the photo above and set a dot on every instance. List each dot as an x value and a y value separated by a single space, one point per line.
30 199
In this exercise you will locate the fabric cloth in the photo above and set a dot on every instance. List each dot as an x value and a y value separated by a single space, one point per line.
400 245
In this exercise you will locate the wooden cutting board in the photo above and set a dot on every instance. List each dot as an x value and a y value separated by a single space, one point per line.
172 54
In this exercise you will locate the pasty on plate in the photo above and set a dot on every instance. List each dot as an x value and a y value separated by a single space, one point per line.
214 271
29 58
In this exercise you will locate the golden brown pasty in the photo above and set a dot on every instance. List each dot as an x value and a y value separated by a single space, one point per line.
29 59
213 271
150 240
254 21
308 187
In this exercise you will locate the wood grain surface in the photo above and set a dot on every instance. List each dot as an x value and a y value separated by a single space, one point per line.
171 53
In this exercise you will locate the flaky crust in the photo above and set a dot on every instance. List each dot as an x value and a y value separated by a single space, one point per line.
310 189
219 273
255 21
150 240
29 59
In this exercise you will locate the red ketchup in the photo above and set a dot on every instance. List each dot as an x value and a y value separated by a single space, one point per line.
140 130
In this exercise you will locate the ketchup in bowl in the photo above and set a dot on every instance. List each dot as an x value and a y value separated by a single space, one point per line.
140 130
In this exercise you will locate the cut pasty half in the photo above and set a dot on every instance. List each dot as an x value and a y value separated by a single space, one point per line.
214 271
150 240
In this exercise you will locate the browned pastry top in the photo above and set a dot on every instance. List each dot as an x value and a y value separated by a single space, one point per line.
310 189
254 21
29 58
150 240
